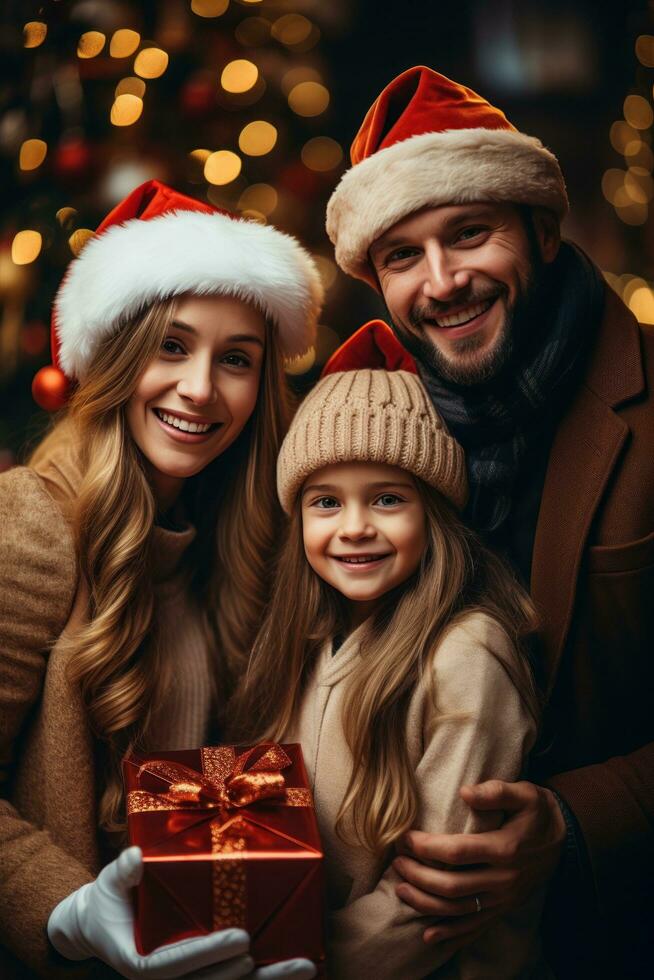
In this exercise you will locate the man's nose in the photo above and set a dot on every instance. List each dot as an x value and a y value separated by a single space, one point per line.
444 276
197 383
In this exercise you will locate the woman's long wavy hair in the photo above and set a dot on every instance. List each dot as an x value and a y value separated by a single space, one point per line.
457 575
115 658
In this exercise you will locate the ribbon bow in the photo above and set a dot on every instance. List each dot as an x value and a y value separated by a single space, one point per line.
234 781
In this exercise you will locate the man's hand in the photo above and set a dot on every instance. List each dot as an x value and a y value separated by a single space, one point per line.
467 880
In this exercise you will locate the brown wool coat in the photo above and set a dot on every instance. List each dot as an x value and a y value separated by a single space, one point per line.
593 583
48 836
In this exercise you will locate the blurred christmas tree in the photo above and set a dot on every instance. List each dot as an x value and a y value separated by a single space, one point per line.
228 101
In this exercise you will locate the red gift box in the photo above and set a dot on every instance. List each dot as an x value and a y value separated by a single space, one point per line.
229 840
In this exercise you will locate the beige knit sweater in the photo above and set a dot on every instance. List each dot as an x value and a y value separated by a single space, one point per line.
49 843
482 731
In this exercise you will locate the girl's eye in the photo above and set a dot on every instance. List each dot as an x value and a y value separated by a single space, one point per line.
325 503
171 346
388 499
236 360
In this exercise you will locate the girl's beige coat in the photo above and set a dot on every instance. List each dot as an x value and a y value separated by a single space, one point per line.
477 729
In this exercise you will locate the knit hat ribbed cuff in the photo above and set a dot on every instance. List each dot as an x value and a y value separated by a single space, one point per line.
371 416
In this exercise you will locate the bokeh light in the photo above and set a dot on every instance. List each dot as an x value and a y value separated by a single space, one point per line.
126 110
124 42
638 112
300 365
308 99
639 154
222 167
291 29
293 77
257 138
327 270
620 134
130 86
321 154
612 181
66 217
32 154
641 304
34 33
151 62
239 75
645 50
209 8
259 197
90 44
26 247
78 240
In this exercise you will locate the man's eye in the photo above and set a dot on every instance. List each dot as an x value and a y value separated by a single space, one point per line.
171 346
236 360
389 499
400 254
467 234
325 503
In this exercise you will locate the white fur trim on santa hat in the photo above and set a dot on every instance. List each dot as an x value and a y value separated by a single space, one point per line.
132 265
453 167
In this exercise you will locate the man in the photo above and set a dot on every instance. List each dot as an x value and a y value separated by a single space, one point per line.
545 378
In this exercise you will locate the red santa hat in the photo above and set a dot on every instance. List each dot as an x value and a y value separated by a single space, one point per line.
158 243
428 141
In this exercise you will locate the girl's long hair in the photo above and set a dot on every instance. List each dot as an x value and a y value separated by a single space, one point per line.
457 575
115 658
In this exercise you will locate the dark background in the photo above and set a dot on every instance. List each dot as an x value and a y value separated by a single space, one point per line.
561 71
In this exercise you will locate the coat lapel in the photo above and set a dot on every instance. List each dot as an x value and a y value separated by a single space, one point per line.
586 448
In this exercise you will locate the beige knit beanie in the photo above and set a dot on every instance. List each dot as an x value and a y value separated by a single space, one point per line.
371 416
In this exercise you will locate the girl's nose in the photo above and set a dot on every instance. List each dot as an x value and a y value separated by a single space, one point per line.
355 525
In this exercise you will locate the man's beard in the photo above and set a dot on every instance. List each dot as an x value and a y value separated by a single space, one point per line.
464 368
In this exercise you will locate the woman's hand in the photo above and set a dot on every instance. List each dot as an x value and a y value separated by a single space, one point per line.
97 920
481 876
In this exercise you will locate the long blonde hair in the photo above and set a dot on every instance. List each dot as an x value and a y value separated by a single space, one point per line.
457 575
115 658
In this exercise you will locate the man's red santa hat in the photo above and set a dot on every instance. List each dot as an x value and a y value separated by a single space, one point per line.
428 141
158 243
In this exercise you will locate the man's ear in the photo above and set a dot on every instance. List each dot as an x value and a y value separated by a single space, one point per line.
548 233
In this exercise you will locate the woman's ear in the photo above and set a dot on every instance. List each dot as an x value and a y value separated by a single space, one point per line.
548 233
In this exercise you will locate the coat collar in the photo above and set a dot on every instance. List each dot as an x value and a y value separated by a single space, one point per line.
585 450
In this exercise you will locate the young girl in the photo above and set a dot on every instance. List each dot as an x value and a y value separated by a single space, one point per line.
134 555
392 650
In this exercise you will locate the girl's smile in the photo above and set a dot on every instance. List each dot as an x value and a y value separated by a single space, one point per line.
363 527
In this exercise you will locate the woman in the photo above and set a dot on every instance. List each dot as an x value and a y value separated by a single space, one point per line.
135 563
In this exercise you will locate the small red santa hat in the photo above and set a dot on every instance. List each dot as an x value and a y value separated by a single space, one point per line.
428 141
158 243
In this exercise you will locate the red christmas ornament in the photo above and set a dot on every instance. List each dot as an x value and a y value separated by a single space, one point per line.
71 158
50 388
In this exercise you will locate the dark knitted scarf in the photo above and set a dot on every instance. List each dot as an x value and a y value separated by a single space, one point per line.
497 421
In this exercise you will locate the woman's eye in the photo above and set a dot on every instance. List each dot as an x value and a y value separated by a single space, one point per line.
171 346
236 360
388 499
325 503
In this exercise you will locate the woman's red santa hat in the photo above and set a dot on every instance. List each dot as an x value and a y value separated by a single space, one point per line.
428 141
158 243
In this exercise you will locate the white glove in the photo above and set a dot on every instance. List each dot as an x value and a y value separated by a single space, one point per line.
97 920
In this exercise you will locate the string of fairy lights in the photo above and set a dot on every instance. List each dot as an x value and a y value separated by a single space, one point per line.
630 189
262 78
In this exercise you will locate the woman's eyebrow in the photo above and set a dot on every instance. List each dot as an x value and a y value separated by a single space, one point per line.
237 338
